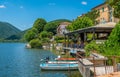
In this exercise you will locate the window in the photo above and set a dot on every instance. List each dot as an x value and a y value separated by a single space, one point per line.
103 9
103 20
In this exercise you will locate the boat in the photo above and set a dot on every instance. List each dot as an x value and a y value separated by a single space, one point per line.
63 62
59 66
66 59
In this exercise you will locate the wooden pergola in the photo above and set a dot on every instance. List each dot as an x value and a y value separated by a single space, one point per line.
94 30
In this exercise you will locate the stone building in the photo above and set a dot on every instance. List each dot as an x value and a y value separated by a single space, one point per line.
106 14
62 28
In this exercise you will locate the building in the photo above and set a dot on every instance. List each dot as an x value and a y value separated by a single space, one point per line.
62 28
106 13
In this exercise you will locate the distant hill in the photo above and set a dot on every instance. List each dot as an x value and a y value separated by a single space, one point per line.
20 35
17 36
58 21
7 30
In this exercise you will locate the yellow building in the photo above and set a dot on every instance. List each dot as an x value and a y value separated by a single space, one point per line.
106 13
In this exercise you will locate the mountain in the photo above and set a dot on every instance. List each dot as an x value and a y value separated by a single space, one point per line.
7 30
18 36
58 21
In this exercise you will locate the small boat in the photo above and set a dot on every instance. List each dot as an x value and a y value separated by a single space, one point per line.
70 59
63 62
59 66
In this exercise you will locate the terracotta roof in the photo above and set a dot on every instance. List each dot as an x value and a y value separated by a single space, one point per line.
107 27
99 5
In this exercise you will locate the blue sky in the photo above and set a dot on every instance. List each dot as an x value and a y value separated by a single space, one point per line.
23 13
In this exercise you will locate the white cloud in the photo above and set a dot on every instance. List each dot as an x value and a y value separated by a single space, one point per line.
21 7
84 3
51 4
2 6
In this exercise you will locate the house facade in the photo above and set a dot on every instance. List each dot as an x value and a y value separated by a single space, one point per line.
62 28
106 14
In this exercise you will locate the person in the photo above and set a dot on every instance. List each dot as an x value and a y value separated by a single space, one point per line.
82 45
47 59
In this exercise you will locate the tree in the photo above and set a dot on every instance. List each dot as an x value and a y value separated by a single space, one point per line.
39 24
112 45
69 27
35 43
50 34
43 34
112 2
29 35
81 22
116 5
59 39
46 40
93 15
114 38
51 27
34 30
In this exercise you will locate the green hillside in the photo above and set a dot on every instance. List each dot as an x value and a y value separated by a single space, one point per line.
18 36
7 30
58 21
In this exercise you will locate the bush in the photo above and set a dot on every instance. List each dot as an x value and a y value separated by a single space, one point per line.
59 39
36 43
112 45
114 38
91 47
43 34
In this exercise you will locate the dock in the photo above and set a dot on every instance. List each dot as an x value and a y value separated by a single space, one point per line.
102 70
98 65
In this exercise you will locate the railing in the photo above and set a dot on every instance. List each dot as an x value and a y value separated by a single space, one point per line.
73 45
84 65
102 66
110 65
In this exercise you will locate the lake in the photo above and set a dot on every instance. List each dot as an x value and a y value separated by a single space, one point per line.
18 61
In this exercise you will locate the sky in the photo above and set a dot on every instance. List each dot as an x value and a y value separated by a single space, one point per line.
23 13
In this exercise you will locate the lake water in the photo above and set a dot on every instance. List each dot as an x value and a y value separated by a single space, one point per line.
17 61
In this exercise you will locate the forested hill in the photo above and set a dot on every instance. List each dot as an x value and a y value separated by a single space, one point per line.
60 20
18 36
7 30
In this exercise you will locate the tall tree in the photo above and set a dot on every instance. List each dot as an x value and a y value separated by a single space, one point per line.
30 35
51 27
39 24
116 5
80 22
43 34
